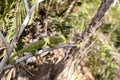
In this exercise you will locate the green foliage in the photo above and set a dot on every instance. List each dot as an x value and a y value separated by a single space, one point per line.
111 25
101 63
11 17
116 36
6 6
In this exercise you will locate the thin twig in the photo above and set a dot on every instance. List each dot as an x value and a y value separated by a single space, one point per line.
70 8
3 39
67 53
26 5
44 50
31 74
38 53
48 8
87 49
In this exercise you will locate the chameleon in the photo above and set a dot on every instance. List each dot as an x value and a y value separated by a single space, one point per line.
50 41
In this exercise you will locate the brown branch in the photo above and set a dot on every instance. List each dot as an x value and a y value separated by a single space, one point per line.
95 23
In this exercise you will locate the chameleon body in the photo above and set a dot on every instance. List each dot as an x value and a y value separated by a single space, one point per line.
30 48
51 41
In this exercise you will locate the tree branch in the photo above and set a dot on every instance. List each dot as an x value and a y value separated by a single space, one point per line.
26 5
40 52
3 39
95 23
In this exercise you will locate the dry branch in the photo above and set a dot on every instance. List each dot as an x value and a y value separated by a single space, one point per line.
95 23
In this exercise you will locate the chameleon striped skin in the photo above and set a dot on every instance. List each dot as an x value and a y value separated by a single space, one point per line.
30 48
51 41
